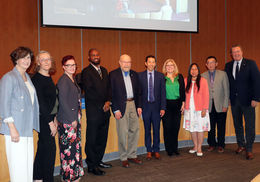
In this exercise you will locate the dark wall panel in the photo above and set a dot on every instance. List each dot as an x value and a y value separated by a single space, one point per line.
107 42
211 37
243 27
18 24
174 46
138 45
61 42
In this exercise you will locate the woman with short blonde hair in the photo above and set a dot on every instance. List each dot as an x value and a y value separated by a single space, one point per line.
175 70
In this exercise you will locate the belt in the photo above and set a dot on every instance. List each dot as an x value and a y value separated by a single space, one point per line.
130 99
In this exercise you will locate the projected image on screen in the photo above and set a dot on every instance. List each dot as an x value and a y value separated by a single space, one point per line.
172 15
154 9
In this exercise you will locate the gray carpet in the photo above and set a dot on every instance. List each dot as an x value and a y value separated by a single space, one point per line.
213 167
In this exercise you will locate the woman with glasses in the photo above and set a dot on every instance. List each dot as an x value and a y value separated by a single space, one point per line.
175 97
46 93
69 127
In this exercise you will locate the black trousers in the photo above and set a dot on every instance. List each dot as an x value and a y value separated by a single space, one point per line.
219 119
96 134
238 111
46 152
171 125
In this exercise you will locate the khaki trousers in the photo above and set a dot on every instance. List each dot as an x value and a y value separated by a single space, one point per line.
128 132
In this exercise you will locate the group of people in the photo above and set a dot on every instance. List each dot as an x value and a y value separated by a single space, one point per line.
35 103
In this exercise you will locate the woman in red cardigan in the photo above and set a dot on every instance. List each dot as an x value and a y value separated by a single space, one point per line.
196 116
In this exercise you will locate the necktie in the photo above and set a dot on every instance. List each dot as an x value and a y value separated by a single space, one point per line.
211 79
237 70
126 73
100 73
150 88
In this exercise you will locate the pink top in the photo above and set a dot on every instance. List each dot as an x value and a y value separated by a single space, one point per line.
201 98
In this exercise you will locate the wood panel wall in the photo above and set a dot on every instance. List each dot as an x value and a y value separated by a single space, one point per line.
221 24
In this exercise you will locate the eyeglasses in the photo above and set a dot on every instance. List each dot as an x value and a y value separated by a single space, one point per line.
47 59
170 65
70 65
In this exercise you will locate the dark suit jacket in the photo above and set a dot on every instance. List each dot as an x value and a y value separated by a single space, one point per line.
69 96
119 96
247 86
181 88
97 90
159 90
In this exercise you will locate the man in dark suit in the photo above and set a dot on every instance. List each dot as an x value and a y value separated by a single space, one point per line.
243 76
153 96
95 82
125 99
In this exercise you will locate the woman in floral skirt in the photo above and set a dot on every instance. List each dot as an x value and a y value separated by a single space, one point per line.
69 123
196 115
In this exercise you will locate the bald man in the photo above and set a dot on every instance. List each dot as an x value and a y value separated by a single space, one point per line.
125 101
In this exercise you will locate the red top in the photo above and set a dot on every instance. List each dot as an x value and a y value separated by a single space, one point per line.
201 98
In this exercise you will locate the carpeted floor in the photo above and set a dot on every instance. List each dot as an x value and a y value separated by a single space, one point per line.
212 167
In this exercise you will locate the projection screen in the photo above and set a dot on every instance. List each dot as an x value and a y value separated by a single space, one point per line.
161 15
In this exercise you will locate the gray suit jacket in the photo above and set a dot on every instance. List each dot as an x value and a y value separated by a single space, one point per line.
16 103
69 100
220 91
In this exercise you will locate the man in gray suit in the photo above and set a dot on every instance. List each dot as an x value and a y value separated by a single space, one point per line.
218 103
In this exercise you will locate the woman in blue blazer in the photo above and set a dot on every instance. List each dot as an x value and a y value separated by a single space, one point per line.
19 111
69 128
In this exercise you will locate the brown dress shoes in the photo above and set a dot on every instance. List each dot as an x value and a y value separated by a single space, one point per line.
240 150
135 160
125 164
211 148
249 155
157 155
149 156
220 149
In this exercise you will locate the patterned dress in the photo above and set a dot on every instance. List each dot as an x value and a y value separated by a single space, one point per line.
70 152
193 121
69 137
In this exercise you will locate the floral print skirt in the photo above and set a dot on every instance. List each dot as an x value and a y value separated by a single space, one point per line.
70 152
193 121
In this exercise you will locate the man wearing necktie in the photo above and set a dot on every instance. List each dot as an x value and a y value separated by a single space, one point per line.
218 103
153 105
125 101
243 75
95 82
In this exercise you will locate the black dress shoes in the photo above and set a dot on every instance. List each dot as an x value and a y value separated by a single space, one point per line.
104 165
96 171
176 152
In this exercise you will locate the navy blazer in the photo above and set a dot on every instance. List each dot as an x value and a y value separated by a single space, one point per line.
119 97
247 86
159 90
69 100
